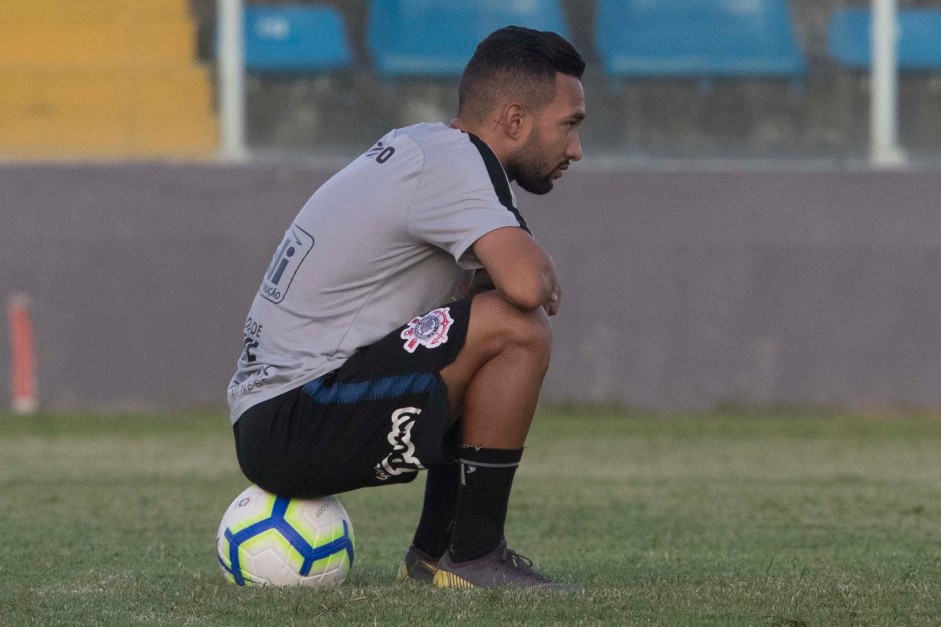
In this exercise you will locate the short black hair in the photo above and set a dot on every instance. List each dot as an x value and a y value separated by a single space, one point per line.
518 61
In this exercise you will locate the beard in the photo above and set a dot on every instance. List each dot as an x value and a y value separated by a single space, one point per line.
528 170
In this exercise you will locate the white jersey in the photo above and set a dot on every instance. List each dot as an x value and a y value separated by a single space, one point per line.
385 239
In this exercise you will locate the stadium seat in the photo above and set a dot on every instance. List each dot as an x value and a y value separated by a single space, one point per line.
420 38
697 39
919 44
295 38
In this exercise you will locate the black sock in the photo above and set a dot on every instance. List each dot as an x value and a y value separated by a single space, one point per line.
433 534
486 479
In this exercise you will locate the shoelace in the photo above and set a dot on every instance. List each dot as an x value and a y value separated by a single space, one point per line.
523 563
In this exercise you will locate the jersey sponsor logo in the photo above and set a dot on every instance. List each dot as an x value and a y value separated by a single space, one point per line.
252 337
402 457
256 381
287 259
430 330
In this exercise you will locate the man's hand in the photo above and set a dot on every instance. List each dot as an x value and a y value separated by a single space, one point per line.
555 300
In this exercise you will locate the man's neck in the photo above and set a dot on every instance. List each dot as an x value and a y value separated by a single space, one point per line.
482 133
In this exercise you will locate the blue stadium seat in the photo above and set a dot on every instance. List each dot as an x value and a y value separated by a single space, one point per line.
919 44
295 38
698 39
434 39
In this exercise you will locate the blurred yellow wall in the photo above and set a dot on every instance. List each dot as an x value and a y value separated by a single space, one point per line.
102 79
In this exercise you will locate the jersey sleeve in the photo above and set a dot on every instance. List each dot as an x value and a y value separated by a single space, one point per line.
459 201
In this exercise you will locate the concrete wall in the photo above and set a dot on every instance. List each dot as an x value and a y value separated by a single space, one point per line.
683 290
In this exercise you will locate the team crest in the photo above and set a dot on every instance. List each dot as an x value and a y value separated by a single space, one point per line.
430 330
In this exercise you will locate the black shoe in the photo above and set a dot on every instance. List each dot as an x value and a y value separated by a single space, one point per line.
501 568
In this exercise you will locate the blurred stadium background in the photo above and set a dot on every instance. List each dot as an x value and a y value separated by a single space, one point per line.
731 238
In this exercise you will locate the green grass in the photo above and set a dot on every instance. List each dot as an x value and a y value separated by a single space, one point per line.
716 520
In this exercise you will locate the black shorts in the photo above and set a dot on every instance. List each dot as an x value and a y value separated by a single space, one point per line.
377 420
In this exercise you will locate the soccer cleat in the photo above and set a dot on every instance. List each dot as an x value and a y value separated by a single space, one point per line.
501 568
417 566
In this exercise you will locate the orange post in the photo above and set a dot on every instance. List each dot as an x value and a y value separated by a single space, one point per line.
23 367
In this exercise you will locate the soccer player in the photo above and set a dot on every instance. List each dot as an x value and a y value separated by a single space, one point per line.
371 352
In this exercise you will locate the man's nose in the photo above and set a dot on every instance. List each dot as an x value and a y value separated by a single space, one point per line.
574 149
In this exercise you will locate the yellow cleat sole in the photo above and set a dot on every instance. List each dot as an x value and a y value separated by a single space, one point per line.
425 570
444 579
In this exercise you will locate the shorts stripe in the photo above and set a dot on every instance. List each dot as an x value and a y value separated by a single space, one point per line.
372 390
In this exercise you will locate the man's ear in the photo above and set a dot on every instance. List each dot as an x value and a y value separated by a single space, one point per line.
516 121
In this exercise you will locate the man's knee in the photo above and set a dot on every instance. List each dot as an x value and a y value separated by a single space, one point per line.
510 326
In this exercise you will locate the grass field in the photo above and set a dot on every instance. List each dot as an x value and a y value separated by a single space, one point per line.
714 520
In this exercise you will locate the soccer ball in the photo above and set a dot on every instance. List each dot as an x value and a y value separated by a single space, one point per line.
272 540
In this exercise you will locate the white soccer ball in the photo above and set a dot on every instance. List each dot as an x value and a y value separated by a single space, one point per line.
272 540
